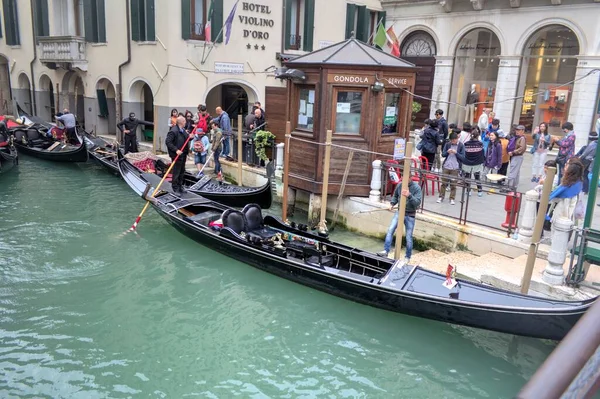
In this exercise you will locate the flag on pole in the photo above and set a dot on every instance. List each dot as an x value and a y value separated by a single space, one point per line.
207 28
392 41
380 37
229 21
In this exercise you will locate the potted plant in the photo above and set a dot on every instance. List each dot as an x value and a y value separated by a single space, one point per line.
416 108
262 139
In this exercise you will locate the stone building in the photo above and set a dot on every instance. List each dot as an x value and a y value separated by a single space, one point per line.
529 60
106 58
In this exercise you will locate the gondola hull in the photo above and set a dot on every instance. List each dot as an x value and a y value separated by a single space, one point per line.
8 158
98 152
77 154
400 288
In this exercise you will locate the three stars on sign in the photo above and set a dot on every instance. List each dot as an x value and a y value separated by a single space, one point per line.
256 46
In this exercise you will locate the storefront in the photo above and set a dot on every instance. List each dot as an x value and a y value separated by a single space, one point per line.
362 95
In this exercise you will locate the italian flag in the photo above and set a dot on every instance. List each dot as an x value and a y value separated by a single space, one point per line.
392 41
207 28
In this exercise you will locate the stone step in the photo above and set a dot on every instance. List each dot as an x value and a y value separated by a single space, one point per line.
438 261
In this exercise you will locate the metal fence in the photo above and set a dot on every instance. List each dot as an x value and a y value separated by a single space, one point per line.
469 207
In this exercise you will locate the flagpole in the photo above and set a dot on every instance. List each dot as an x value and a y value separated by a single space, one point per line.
376 29
217 38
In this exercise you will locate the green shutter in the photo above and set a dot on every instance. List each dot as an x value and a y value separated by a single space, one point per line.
362 24
41 18
7 21
11 24
217 22
350 13
0 27
309 25
186 19
135 20
150 24
102 103
381 19
288 23
101 21
88 20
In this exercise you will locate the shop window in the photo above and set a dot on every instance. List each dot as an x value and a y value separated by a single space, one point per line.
143 21
475 75
94 21
391 112
549 62
306 108
11 22
348 111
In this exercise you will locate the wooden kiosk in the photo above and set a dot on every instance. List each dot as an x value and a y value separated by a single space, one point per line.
358 92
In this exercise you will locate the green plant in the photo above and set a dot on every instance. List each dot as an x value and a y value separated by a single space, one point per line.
261 141
416 108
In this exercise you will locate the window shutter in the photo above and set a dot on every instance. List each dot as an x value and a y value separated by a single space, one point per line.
7 21
88 24
135 20
101 21
102 103
288 23
11 24
45 24
362 24
150 23
350 12
0 27
216 22
309 25
381 18
186 19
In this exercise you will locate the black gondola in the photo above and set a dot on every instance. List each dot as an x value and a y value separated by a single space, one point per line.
227 194
270 245
8 153
33 140
102 152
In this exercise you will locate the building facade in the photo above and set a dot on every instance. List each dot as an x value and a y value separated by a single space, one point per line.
530 61
105 58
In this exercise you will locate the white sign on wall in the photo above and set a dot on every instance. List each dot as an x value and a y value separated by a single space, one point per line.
229 67
325 43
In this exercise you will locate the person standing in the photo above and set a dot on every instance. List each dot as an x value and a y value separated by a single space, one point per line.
68 120
443 133
176 139
199 147
413 200
539 149
483 121
472 161
566 148
515 152
586 155
429 142
128 127
216 141
505 157
189 122
259 120
465 134
173 117
225 124
451 166
493 155
202 118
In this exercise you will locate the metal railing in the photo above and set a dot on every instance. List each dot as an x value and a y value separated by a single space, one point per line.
467 210
295 42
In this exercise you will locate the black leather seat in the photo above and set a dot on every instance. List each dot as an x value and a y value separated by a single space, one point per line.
235 220
256 226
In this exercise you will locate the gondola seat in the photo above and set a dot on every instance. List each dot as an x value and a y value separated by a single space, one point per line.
234 220
255 223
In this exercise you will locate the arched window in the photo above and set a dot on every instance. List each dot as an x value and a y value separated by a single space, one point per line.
418 44
549 63
475 74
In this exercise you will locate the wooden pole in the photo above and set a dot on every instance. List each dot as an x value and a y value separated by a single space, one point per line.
286 170
537 230
402 203
239 150
323 223
342 188
154 132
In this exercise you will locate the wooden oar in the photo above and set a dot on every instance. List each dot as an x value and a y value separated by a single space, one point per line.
182 150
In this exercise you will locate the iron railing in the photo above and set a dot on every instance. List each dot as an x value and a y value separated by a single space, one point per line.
295 42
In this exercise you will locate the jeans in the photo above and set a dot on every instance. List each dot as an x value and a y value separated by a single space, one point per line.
409 226
225 152
537 169
216 155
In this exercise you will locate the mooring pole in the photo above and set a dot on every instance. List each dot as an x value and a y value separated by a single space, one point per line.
239 150
323 222
537 230
286 170
402 203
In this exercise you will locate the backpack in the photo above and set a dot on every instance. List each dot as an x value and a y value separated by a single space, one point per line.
198 146
512 144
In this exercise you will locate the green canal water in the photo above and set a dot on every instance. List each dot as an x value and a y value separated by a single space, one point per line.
88 313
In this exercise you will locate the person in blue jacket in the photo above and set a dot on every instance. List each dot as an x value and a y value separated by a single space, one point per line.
563 199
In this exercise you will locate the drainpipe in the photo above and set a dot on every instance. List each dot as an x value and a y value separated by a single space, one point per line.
33 101
283 28
120 107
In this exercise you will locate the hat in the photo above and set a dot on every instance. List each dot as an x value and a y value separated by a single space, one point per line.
593 136
200 131
501 133
520 127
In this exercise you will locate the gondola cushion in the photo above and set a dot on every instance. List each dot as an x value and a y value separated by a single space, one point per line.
254 217
33 134
234 220
3 144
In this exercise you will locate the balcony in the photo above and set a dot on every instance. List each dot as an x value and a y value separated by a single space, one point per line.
62 52
295 42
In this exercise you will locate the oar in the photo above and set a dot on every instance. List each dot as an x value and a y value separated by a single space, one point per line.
137 220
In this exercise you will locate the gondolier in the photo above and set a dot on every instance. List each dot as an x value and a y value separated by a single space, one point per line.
176 139
128 127
68 120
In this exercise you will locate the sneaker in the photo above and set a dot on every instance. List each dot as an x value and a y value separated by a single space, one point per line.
406 261
439 200
480 194
382 253
452 202
199 175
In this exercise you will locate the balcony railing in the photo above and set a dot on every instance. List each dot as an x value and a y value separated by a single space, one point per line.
295 42
63 50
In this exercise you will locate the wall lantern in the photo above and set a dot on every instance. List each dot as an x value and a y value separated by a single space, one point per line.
377 87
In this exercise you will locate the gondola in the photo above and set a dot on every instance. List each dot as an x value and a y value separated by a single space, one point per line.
315 261
102 152
8 153
35 140
227 194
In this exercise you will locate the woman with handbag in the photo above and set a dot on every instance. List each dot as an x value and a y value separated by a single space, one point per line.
539 149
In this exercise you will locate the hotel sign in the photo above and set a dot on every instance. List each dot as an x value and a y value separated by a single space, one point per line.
399 81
